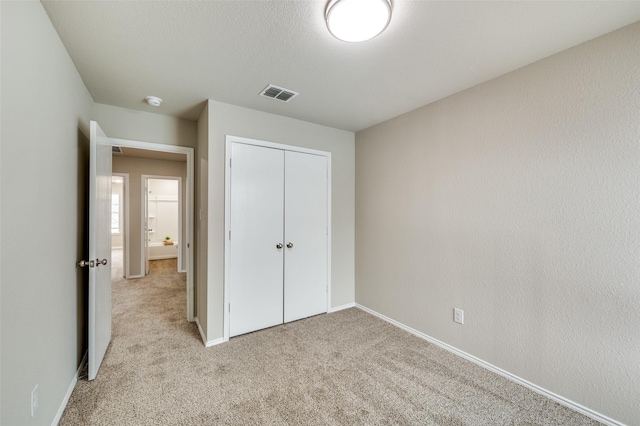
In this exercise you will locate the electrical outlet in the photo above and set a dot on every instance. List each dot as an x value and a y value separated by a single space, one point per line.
458 315
35 401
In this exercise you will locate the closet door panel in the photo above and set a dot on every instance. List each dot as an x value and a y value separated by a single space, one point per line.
256 223
305 263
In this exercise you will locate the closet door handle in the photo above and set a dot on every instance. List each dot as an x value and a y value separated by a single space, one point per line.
289 245
279 246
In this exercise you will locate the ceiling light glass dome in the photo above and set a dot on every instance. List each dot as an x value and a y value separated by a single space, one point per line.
357 20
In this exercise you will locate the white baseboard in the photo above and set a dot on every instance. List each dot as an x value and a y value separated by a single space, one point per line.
163 256
214 342
542 391
207 343
133 277
341 307
72 386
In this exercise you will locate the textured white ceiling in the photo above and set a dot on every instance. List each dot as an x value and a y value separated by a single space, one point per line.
186 52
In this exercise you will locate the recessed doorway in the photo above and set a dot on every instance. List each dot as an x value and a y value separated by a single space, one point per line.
138 159
162 217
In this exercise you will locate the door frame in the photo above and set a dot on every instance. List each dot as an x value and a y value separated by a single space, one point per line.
229 140
189 206
124 205
145 212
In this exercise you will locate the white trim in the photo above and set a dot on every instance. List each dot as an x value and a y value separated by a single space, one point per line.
70 389
227 256
202 336
519 380
229 139
132 277
329 228
125 226
164 256
214 342
189 197
145 199
267 144
207 343
342 307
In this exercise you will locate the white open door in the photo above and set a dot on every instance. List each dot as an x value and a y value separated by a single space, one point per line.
99 247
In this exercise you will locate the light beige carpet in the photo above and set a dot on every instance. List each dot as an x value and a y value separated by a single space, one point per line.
345 368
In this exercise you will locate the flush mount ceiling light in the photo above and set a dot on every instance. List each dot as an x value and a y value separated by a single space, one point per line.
357 20
153 100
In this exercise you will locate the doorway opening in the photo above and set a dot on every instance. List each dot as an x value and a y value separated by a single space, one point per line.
162 201
119 223
136 162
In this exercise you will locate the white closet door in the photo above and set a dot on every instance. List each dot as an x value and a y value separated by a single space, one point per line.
305 283
256 224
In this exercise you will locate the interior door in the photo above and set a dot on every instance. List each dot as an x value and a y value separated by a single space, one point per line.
256 238
306 235
99 247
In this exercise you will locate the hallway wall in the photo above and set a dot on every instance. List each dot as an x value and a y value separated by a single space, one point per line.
518 201
136 167
43 165
144 126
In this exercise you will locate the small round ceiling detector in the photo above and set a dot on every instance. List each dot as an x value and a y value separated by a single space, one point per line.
153 101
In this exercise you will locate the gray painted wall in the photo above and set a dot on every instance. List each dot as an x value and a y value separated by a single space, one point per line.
143 126
45 114
45 117
136 167
518 201
225 119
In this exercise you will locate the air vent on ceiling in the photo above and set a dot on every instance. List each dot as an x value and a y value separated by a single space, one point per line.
279 93
116 149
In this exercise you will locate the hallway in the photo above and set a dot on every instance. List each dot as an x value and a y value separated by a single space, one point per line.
148 321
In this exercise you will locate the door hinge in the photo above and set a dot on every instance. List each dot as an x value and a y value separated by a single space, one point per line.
229 162
229 233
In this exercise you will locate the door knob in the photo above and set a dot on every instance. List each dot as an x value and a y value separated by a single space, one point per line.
289 245
279 246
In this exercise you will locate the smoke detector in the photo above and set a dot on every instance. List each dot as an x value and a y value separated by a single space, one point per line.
153 101
278 93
